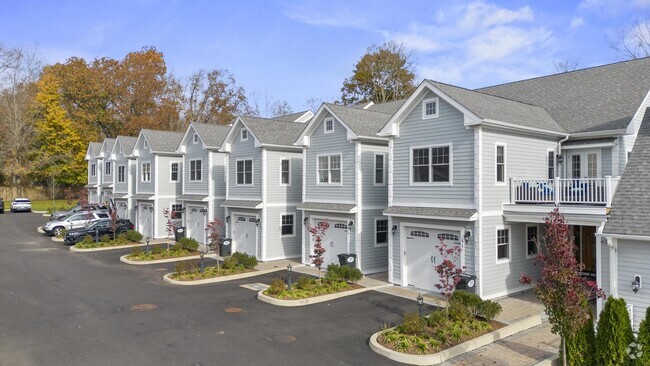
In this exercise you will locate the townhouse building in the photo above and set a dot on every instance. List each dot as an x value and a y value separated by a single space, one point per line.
124 176
94 178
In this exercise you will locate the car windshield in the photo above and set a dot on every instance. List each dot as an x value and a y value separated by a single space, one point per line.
21 200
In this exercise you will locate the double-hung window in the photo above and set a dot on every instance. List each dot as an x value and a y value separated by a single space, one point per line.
328 125
503 244
196 173
93 170
500 163
145 172
195 138
244 134
551 164
107 168
173 172
431 164
381 232
285 172
531 241
177 211
121 173
379 169
430 108
329 169
244 172
287 225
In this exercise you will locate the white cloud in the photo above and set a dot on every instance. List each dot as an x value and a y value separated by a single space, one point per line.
577 22
333 17
503 42
480 14
418 38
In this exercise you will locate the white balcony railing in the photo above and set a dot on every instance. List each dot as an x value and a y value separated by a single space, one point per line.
585 191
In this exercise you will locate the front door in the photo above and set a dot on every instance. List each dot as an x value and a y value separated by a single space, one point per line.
145 218
196 224
585 164
335 242
422 256
585 240
245 234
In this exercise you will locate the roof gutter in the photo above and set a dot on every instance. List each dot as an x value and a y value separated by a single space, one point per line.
608 133
506 125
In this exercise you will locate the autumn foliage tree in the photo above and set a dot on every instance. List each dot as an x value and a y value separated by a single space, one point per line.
383 74
447 270
213 97
214 236
318 232
564 293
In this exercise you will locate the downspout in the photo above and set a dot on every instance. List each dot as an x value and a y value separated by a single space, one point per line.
559 152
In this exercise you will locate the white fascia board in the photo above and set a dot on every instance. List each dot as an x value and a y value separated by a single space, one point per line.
474 217
640 111
351 135
594 134
305 117
391 128
184 140
227 142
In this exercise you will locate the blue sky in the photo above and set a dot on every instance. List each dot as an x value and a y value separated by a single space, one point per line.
295 50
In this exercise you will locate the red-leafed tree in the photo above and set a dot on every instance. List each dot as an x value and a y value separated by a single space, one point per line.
564 293
169 227
318 232
114 222
214 236
448 271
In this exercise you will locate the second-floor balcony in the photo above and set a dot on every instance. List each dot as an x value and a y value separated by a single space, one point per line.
564 191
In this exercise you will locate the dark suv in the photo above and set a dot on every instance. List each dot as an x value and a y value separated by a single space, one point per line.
98 228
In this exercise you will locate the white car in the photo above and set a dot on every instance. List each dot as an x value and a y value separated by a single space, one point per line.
21 204
73 221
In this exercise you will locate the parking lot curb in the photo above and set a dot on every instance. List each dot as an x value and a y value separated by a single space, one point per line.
40 230
240 276
58 240
471 345
101 249
314 300
123 259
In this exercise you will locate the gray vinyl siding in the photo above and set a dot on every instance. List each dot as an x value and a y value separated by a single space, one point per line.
373 195
326 144
160 204
132 171
416 132
633 259
218 173
218 212
123 187
398 250
193 152
308 242
606 161
278 247
92 179
372 258
526 158
244 150
503 278
165 186
145 156
277 192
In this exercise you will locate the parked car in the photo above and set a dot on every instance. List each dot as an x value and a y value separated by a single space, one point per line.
74 221
2 205
21 204
97 228
78 208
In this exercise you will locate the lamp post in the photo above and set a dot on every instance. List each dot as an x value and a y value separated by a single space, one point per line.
201 254
147 240
289 268
420 301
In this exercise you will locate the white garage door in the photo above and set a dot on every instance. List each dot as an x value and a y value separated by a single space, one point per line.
121 210
335 242
92 195
196 224
245 234
145 220
422 255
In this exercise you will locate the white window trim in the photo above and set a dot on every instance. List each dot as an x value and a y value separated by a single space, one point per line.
241 134
505 164
325 131
110 168
189 167
294 224
118 173
142 171
178 171
93 170
171 209
289 183
555 167
374 171
387 232
529 256
430 183
496 244
195 138
252 183
424 108
329 170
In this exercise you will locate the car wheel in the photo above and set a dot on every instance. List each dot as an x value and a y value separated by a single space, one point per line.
57 231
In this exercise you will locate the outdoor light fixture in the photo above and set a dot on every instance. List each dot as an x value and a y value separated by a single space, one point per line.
289 268
257 221
420 301
636 284
394 229
306 221
150 208
350 223
560 159
147 240
203 210
227 219
136 207
468 234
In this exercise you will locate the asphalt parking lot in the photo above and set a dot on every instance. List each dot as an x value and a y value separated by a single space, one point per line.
63 308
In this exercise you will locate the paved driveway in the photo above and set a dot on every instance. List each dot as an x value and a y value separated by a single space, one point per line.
63 308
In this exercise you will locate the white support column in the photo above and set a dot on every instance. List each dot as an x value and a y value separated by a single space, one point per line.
613 266
608 190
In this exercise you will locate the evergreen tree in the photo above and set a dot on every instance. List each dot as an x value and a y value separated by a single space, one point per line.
580 347
614 335
643 339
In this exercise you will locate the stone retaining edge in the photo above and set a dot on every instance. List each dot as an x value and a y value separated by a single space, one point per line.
314 300
123 259
73 249
471 345
166 277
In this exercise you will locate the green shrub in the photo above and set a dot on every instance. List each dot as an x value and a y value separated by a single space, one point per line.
105 239
304 282
333 273
643 338
122 238
350 274
459 312
467 299
614 334
136 251
157 250
243 259
133 236
277 287
62 234
412 323
229 263
188 244
87 240
437 317
580 348
489 310
181 267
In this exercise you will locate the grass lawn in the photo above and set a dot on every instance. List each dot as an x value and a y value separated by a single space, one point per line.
45 205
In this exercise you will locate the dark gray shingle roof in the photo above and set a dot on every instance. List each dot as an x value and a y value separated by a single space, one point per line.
109 143
241 203
211 134
327 207
163 141
386 107
127 143
594 99
291 117
500 109
272 131
95 148
363 122
630 214
458 213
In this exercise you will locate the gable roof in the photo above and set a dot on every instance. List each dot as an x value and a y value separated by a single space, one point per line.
212 135
94 148
631 204
363 122
272 131
386 107
600 98
303 116
108 142
127 143
162 141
